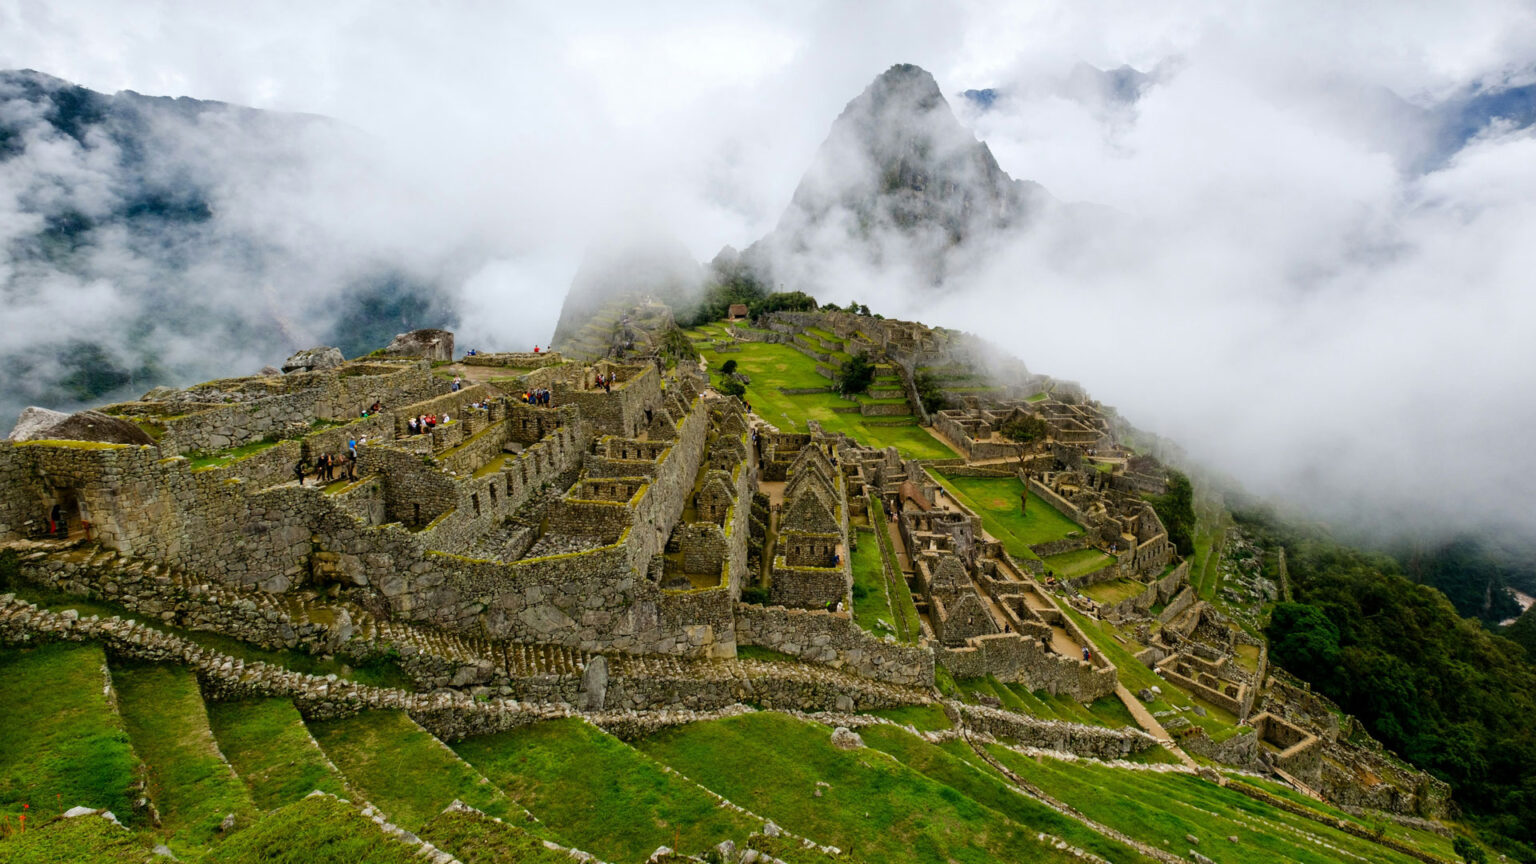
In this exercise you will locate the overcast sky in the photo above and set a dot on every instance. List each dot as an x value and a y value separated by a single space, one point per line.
1295 302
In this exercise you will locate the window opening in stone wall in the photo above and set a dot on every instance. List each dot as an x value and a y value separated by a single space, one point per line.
474 500
493 494
415 514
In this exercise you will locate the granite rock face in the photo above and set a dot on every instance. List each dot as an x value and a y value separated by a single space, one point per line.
40 424
310 359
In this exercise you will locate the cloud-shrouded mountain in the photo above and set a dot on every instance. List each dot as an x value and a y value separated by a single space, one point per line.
149 240
898 185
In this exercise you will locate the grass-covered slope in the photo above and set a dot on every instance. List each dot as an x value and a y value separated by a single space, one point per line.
189 781
316 830
600 795
1162 809
404 771
88 839
61 743
956 766
272 751
870 805
475 838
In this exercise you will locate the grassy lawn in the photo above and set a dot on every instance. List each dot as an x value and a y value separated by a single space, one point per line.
598 794
1161 809
271 749
871 603
318 830
1114 590
772 366
996 501
63 744
476 839
403 770
873 808
189 781
955 765
1080 563
904 610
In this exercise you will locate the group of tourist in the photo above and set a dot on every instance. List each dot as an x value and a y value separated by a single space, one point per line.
426 423
373 409
540 396
329 467
457 383
605 382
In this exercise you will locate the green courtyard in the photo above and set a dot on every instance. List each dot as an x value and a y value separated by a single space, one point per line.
996 501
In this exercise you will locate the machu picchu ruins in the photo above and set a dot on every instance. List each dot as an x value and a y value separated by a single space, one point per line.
514 523
600 532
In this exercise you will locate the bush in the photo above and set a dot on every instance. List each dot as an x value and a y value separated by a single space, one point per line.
755 595
1468 851
732 387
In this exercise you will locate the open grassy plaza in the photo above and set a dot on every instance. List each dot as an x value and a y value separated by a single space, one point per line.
996 501
773 368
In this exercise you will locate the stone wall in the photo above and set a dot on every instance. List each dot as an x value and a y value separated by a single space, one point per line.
1091 741
338 394
620 411
833 639
1012 657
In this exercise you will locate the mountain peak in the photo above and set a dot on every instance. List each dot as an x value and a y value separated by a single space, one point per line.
897 177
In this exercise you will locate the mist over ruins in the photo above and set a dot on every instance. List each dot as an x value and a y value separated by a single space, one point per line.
824 546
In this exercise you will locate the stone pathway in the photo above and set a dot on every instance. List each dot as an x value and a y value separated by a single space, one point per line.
1146 721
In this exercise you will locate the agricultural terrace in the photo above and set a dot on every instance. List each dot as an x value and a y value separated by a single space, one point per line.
773 368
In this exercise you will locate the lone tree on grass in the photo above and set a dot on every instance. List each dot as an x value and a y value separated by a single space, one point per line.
729 367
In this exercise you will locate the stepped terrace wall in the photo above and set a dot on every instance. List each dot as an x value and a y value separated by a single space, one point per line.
1012 657
833 639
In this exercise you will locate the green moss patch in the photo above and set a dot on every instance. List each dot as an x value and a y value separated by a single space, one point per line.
316 830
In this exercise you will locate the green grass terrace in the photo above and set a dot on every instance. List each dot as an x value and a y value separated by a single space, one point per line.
996 501
773 368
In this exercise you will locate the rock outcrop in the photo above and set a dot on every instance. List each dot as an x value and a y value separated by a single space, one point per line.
41 424
311 359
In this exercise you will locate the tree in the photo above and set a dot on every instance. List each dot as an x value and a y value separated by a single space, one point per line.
1025 430
1303 640
857 374
729 367
1177 510
929 392
731 387
784 301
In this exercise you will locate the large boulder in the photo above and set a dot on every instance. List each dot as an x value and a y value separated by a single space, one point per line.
311 359
34 420
426 344
80 426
